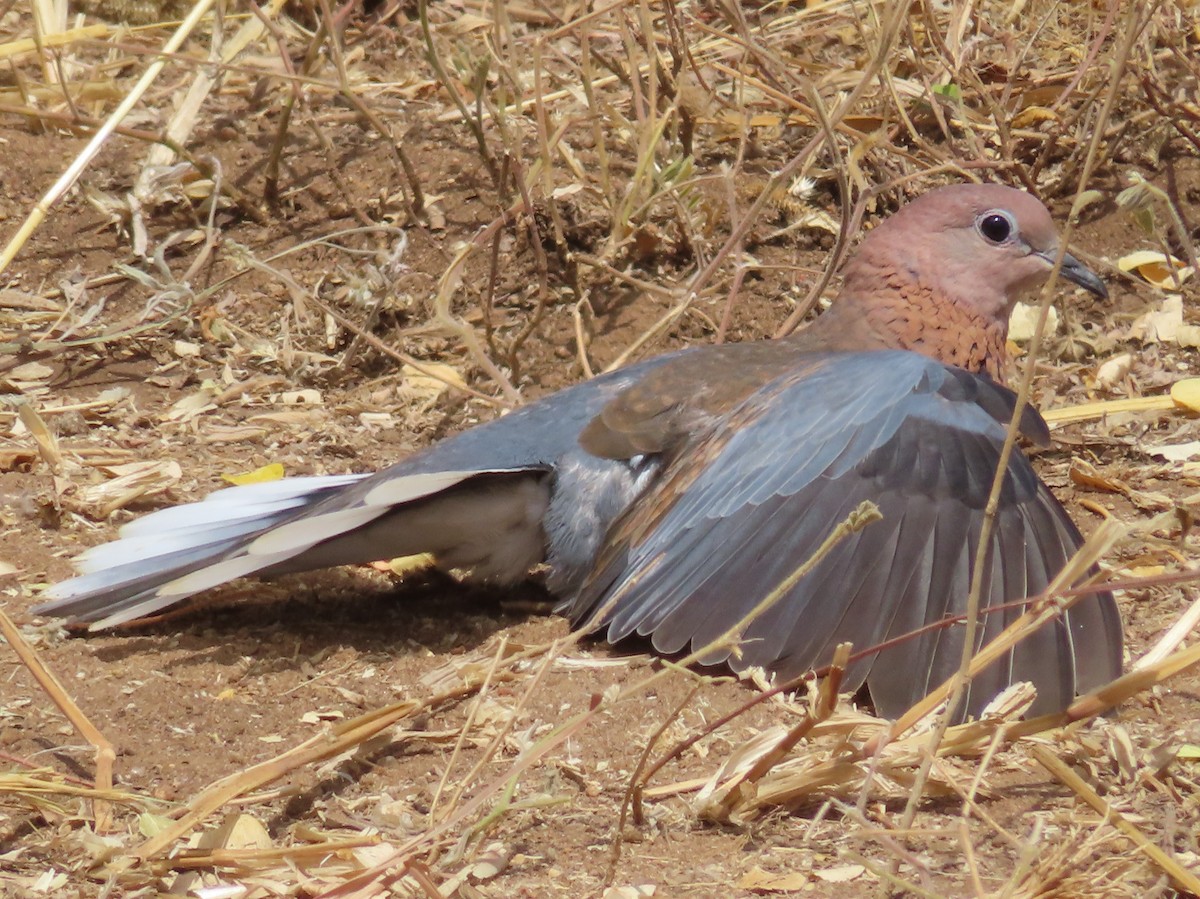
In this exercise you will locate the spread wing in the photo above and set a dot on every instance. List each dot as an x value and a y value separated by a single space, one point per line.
747 497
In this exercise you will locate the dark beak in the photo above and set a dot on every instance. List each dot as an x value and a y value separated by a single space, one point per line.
1078 273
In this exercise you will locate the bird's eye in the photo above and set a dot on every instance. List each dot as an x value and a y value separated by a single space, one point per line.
996 227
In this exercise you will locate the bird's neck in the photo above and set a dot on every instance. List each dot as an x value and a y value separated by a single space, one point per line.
912 317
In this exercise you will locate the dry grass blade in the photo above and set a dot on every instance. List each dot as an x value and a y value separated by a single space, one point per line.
339 739
47 443
1139 680
38 214
10 49
447 285
1183 627
1180 876
248 859
105 752
1090 411
736 781
39 784
184 120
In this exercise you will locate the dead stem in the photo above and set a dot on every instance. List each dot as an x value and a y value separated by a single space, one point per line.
106 753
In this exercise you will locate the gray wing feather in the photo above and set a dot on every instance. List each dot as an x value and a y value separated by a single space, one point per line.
922 442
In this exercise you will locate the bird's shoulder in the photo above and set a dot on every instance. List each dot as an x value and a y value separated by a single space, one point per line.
687 392
783 389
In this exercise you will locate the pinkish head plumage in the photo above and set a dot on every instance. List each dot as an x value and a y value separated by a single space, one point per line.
941 276
981 246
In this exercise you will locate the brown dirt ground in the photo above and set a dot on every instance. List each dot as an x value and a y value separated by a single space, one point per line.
214 690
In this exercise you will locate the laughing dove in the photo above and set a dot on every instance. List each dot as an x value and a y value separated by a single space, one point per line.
667 499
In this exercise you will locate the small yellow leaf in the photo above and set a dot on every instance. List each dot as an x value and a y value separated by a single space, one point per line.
840 873
1145 570
1023 320
1032 115
761 881
247 833
430 379
402 565
1165 272
1084 200
272 472
1186 393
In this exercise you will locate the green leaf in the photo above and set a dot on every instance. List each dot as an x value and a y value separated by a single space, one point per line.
950 91
1145 220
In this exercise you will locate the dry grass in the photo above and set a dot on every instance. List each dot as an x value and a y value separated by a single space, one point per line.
676 152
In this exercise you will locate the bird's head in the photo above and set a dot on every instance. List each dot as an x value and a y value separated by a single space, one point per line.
981 246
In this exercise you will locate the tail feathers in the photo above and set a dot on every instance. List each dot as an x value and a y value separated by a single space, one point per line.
226 515
174 553
232 503
115 595
160 557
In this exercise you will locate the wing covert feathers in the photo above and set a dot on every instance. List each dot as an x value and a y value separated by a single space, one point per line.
700 549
